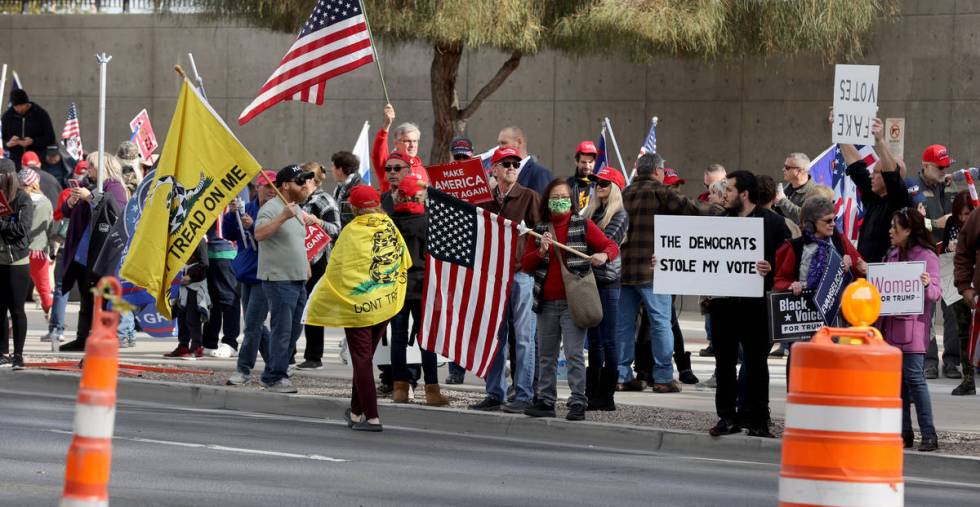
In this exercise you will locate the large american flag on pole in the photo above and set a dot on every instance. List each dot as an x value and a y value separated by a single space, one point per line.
829 169
468 270
334 40
71 135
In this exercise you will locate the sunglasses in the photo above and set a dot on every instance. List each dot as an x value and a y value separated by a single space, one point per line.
461 157
603 183
829 221
790 168
509 165
394 168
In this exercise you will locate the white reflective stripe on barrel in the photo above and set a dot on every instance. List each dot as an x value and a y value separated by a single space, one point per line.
843 419
841 494
75 502
94 421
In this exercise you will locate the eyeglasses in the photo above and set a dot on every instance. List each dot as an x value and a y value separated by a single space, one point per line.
394 168
603 183
509 165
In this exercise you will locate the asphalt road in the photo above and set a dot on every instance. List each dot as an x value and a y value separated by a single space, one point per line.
176 456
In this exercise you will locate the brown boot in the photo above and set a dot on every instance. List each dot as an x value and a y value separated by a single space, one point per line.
434 397
400 392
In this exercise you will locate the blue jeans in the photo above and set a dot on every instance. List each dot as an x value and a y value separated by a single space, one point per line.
127 325
456 370
602 338
256 340
57 319
286 302
916 391
524 322
658 307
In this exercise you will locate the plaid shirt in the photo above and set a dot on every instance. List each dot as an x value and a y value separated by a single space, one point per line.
324 207
644 198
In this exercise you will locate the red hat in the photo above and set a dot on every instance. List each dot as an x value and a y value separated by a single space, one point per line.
610 174
364 196
937 154
671 177
266 177
397 155
409 185
586 148
30 159
81 168
502 153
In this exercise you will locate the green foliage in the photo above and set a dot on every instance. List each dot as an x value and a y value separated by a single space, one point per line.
640 29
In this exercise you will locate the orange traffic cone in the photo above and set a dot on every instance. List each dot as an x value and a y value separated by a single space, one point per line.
89 458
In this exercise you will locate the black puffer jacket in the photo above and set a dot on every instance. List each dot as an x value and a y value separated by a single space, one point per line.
36 124
414 230
15 229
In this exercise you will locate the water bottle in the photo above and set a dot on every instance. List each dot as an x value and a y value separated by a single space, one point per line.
562 366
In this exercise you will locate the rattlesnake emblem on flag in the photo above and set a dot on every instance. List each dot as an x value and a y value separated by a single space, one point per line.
181 200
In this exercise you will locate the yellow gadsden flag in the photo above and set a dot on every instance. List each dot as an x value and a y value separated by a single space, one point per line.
202 168
366 277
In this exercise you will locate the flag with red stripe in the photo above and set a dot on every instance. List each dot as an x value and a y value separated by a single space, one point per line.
334 40
71 135
468 269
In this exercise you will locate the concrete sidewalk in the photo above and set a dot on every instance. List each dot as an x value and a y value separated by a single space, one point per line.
951 413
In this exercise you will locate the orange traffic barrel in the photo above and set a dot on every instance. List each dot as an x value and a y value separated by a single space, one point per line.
89 457
842 445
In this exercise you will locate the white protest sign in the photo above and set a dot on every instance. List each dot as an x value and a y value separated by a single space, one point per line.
382 354
855 103
895 136
708 256
950 294
901 289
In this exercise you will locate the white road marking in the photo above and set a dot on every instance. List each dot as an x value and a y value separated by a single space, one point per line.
314 457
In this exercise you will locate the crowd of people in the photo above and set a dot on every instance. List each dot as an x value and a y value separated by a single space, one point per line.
253 265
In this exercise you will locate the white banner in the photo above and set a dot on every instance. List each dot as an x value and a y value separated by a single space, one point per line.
901 289
708 256
855 103
950 294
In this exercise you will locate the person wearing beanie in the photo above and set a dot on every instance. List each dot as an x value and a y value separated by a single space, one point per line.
26 127
412 220
57 165
49 184
15 239
40 230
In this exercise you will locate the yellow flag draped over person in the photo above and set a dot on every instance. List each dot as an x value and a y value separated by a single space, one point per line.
202 168
366 278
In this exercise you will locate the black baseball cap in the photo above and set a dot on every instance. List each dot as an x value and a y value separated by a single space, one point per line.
292 173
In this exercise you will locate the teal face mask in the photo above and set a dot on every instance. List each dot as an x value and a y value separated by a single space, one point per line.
560 206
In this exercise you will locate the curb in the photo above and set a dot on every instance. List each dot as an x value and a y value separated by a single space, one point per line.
556 431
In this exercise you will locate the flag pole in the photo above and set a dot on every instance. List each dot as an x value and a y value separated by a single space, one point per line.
619 156
374 49
103 59
3 80
197 77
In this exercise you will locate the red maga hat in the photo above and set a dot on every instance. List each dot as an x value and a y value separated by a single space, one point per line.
364 196
610 174
937 154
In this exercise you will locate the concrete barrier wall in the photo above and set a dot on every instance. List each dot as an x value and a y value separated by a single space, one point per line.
746 113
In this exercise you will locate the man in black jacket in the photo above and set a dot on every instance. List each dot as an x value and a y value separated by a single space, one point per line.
26 127
742 321
530 174
882 194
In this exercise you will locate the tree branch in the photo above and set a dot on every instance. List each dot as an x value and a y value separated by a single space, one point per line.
503 73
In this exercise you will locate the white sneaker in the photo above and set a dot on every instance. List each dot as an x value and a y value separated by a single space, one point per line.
211 352
290 370
224 351
237 379
344 355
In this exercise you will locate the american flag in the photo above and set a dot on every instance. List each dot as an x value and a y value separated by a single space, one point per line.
468 270
72 134
334 40
829 169
650 143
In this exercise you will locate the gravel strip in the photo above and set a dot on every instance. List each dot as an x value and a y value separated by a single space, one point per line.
956 443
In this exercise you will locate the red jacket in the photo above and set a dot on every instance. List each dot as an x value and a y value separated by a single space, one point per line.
379 155
554 288
787 265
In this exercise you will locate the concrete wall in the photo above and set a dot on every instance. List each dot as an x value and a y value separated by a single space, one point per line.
747 113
